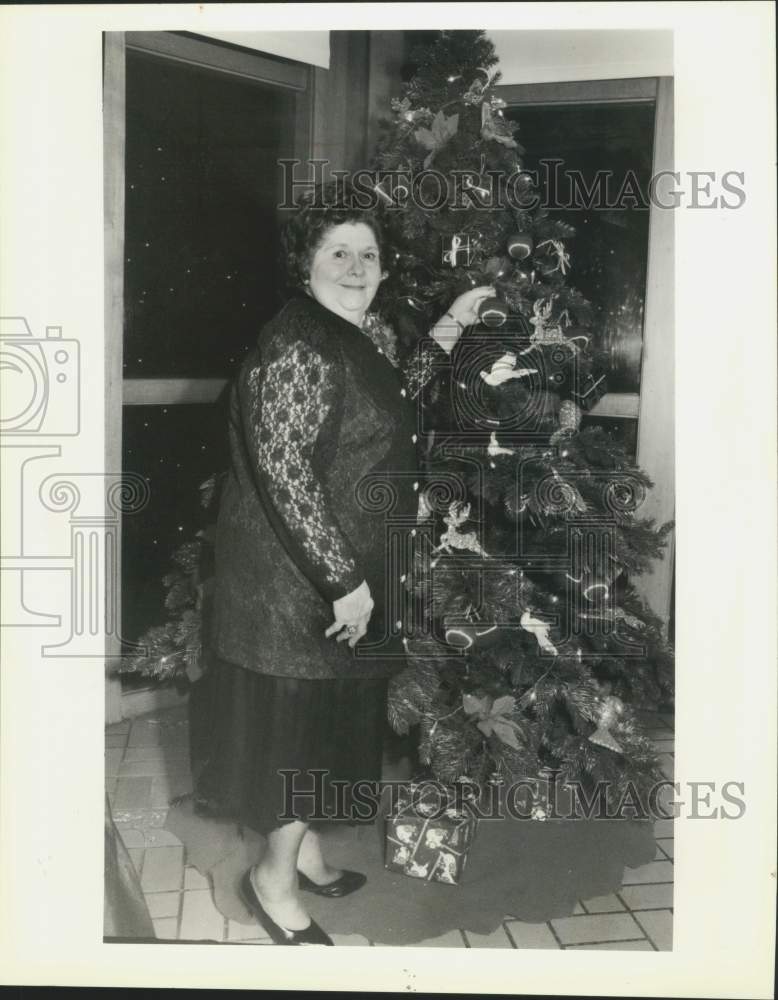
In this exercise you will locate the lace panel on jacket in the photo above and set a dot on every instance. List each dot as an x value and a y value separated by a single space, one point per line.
290 399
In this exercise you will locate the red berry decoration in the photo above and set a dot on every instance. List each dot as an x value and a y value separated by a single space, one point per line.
493 312
521 246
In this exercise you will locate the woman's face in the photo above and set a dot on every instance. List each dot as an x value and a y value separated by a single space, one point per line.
346 270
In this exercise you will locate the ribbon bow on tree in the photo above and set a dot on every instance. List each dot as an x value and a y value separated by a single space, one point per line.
493 717
562 256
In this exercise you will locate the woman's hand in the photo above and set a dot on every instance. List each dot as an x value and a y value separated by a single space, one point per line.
352 614
463 313
464 309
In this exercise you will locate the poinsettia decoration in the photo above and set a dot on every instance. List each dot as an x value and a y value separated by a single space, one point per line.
442 129
493 717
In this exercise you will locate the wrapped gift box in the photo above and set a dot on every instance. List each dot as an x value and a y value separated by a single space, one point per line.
429 832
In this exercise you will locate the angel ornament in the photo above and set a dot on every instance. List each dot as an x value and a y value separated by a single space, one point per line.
452 538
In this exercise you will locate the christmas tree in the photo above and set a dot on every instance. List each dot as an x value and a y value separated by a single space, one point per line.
534 649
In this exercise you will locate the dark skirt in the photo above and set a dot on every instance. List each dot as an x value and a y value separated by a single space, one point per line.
247 727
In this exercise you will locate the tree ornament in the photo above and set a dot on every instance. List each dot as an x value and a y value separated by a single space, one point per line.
481 77
480 82
456 250
612 709
539 629
545 331
472 97
593 588
503 369
597 590
475 91
494 448
467 636
493 312
452 537
562 256
495 129
520 246
569 421
469 185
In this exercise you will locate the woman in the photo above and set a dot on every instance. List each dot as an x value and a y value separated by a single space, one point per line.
300 558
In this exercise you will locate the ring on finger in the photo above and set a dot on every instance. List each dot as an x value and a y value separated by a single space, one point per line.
351 629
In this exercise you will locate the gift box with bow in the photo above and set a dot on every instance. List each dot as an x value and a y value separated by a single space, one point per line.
429 832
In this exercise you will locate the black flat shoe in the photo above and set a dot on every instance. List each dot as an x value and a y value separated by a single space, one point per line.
347 883
312 934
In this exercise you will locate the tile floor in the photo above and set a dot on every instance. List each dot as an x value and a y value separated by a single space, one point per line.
147 765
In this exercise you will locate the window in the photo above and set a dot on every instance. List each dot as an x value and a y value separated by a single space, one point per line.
204 125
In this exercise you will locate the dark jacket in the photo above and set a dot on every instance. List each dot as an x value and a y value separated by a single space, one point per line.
321 494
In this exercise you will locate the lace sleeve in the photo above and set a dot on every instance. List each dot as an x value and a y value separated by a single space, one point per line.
285 405
426 361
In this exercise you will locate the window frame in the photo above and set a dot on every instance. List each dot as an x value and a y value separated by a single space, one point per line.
654 406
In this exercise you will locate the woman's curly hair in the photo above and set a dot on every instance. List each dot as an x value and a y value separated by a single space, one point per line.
328 206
